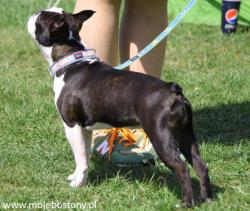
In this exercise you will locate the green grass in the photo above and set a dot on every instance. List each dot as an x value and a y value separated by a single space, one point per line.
35 158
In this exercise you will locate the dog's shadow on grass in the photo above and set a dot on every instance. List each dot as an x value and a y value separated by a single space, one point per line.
159 176
226 124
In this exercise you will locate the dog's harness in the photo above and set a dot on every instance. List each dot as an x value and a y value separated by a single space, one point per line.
77 57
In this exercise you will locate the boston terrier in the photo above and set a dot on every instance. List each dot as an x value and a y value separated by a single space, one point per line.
90 94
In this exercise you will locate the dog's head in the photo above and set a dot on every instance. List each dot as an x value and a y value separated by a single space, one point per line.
55 26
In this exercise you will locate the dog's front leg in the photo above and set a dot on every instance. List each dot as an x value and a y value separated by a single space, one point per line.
80 142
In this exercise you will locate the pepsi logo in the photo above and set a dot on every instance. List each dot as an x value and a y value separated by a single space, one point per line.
231 16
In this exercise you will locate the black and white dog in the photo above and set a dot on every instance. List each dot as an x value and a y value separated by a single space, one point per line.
90 93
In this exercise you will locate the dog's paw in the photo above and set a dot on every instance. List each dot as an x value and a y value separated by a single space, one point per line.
79 179
204 200
72 177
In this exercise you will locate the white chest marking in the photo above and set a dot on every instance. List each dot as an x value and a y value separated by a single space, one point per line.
58 85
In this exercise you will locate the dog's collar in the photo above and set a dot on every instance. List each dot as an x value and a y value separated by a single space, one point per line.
76 57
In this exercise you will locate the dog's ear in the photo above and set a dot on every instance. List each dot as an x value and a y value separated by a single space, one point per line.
83 15
75 21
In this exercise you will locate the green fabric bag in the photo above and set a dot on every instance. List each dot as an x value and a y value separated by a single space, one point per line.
124 156
207 11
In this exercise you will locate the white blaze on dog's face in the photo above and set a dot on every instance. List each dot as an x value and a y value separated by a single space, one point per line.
32 20
54 26
46 50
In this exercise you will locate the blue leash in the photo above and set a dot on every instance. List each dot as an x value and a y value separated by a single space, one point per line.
160 37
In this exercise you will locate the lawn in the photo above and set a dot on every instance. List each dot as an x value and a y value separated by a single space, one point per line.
35 158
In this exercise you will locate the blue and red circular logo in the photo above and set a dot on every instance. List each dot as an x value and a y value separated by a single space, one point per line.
231 16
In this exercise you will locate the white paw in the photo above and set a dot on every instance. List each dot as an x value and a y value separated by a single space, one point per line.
72 176
79 179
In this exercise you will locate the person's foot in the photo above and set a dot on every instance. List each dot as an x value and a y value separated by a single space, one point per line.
124 152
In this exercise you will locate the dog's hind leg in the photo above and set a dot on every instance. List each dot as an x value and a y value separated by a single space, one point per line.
165 146
80 142
163 125
189 148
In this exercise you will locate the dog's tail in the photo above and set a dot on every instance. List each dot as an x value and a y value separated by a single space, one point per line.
180 111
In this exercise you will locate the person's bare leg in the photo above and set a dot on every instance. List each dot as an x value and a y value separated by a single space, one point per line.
142 21
101 30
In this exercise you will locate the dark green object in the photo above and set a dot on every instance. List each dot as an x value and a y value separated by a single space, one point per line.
126 156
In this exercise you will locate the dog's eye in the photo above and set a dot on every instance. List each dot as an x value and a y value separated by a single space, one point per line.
57 25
